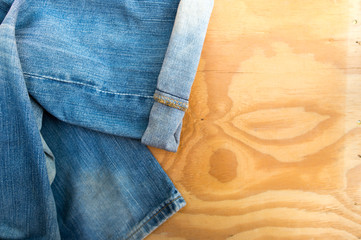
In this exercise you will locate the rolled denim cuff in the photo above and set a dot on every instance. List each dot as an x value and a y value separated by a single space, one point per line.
165 122
177 74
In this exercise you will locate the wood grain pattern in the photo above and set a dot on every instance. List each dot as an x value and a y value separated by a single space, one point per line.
270 143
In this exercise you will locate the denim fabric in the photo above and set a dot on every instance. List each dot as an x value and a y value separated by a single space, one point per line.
106 186
49 156
177 74
101 59
104 60
84 85
27 206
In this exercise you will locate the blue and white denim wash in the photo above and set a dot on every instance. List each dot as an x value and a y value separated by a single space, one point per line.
85 85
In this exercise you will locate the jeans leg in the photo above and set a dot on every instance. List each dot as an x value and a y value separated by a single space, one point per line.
27 207
106 186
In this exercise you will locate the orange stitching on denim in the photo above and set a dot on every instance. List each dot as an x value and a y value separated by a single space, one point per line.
169 98
171 102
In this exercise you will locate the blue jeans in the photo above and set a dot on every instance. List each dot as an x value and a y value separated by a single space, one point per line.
106 186
83 89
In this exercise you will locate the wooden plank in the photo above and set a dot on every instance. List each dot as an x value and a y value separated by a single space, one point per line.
270 143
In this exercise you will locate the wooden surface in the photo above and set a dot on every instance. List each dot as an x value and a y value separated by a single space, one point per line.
270 143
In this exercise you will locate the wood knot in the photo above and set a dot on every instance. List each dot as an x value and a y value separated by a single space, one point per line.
223 165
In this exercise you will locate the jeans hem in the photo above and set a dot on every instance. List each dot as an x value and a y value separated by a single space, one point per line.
153 220
164 127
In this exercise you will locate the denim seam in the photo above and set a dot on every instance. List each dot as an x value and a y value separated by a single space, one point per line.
171 102
84 84
171 94
159 211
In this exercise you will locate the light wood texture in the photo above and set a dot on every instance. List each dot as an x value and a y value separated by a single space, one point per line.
270 143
